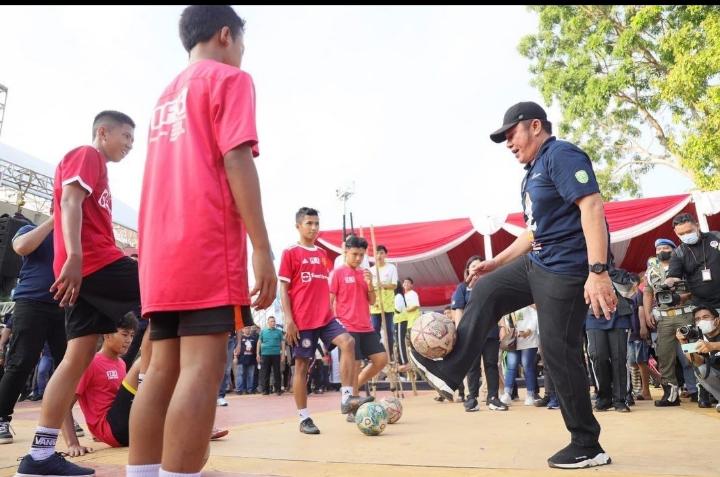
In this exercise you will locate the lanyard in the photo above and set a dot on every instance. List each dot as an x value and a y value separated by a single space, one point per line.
702 244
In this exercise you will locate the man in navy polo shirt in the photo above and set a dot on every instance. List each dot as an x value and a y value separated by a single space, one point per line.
37 318
559 263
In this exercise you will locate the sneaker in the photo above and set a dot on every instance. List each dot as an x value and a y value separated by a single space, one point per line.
693 396
717 407
422 365
222 402
576 457
350 417
307 426
471 405
353 403
5 432
496 405
55 465
553 403
529 401
621 407
542 402
240 393
701 404
439 398
506 399
218 433
602 405
79 431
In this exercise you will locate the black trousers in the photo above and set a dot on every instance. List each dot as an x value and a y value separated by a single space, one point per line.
489 358
608 355
561 314
271 363
34 323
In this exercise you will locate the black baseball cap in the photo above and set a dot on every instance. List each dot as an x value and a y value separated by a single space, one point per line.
516 113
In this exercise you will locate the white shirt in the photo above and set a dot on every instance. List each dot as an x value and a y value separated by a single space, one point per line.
412 299
526 319
388 274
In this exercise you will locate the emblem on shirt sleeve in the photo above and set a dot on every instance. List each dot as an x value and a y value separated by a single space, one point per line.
582 176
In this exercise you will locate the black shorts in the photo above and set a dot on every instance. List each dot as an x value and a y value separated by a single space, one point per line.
105 297
367 344
118 416
167 325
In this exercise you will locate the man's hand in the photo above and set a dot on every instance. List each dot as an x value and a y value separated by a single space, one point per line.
671 281
368 278
680 337
480 268
600 295
703 347
76 450
524 333
259 358
67 285
265 280
292 333
644 333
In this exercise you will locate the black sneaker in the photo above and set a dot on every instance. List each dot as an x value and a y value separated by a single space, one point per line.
307 426
471 405
55 465
621 407
422 366
494 404
5 432
541 402
576 457
350 417
671 396
602 405
353 403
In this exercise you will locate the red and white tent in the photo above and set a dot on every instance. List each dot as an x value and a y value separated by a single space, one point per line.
434 253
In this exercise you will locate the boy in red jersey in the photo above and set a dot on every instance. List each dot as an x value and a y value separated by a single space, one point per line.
351 294
95 282
305 298
200 198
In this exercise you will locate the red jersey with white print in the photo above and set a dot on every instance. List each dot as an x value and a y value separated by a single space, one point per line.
192 248
351 298
96 392
86 167
306 270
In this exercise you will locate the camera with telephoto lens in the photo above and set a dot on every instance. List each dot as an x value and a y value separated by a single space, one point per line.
668 296
691 333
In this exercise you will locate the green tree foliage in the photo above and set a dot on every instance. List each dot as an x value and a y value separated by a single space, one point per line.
638 86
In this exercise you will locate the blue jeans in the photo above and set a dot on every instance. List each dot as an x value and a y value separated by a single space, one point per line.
232 341
528 363
245 377
45 367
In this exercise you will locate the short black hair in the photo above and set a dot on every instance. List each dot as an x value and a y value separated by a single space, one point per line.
110 117
544 123
129 321
303 211
198 23
410 280
382 247
712 310
353 241
683 219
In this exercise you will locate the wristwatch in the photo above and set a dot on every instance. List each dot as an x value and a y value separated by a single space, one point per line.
598 267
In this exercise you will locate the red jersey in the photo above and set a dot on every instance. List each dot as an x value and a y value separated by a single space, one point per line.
351 298
192 246
96 392
87 167
306 270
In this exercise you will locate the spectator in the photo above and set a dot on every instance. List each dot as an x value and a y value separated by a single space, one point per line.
227 377
526 348
269 349
385 293
246 354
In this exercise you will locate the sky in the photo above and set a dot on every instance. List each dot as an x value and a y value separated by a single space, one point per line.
397 100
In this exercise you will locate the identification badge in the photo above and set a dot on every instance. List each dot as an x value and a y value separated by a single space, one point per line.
706 276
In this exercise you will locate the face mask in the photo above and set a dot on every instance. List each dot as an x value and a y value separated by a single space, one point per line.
664 256
690 238
706 326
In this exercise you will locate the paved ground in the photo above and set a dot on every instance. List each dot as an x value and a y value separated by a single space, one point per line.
431 439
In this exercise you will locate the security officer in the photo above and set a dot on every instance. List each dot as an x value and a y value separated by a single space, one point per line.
666 318
697 261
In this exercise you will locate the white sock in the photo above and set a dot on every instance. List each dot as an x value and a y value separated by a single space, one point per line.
147 470
303 413
165 473
43 444
345 392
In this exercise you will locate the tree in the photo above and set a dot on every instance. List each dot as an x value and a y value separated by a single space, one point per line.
638 86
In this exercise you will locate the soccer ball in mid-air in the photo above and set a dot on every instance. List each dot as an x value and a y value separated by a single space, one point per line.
433 335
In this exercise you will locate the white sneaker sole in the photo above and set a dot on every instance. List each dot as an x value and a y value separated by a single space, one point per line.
600 459
437 383
493 407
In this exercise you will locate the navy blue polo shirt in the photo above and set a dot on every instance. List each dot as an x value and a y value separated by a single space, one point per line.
460 299
36 274
560 174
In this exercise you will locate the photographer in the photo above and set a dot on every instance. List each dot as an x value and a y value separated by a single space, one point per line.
706 356
666 312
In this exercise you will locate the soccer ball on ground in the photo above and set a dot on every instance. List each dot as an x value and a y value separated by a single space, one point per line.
393 408
371 418
433 335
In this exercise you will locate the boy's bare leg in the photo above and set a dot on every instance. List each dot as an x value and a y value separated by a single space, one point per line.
377 363
300 382
346 343
202 365
645 380
356 375
147 414
60 390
